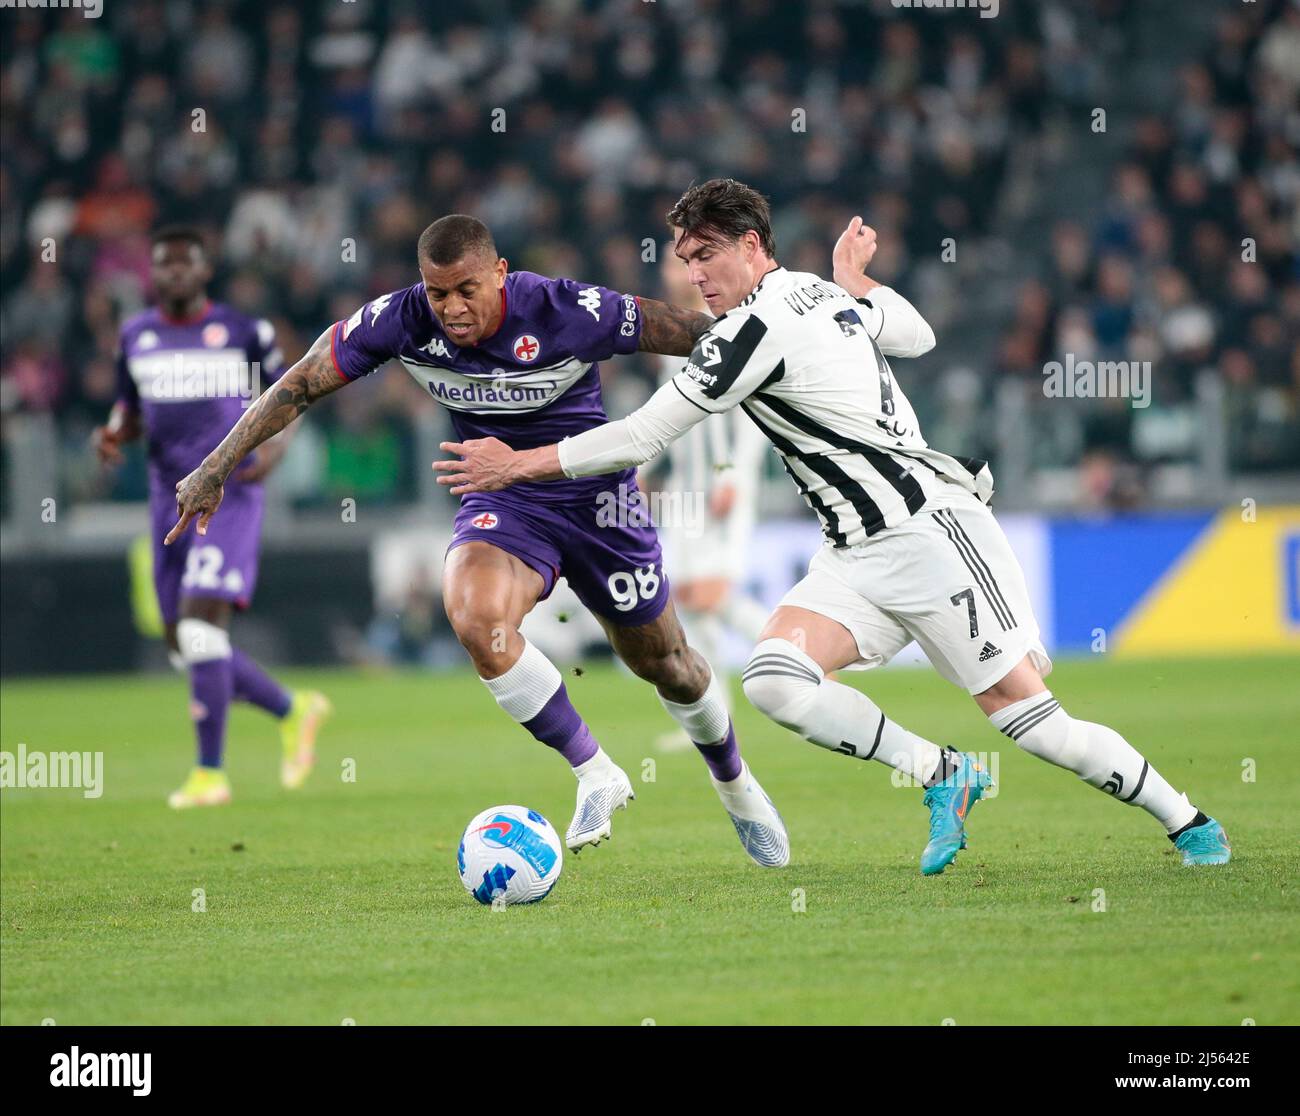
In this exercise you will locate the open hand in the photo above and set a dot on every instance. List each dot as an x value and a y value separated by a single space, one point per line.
486 465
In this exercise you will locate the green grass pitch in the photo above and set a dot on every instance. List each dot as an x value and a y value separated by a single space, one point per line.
341 901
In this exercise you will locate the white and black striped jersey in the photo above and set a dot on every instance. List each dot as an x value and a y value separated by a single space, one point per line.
800 355
724 449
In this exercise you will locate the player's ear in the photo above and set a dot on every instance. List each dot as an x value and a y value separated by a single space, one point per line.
501 268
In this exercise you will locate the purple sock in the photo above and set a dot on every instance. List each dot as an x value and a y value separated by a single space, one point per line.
211 684
558 726
254 685
723 757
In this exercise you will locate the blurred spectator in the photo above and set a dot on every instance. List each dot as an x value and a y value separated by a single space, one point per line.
312 143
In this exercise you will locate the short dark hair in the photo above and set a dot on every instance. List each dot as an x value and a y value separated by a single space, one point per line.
188 234
454 237
723 209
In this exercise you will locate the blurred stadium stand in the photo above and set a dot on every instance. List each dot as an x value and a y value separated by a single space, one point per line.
338 124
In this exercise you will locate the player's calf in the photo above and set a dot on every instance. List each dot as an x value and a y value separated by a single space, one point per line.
205 649
1102 758
532 693
787 684
759 825
692 695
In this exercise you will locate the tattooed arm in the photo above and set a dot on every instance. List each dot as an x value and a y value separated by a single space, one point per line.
199 495
670 330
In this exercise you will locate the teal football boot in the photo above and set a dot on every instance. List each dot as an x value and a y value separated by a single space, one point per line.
949 803
1205 844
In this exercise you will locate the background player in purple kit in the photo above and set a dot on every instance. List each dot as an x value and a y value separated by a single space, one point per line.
187 370
513 355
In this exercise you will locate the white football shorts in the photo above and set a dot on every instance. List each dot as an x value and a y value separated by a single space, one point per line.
946 577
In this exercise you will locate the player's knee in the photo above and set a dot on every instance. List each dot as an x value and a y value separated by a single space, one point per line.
672 670
484 637
781 682
199 641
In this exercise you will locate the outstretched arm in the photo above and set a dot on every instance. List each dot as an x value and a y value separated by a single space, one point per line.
199 494
488 464
670 330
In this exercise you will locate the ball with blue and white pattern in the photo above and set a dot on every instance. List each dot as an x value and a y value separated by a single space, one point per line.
509 854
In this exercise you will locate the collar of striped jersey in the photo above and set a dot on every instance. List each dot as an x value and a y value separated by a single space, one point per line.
758 286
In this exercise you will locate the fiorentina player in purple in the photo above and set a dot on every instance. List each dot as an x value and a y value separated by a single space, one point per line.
187 370
513 355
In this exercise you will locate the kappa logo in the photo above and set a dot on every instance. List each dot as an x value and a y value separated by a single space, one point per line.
589 300
377 307
988 651
436 348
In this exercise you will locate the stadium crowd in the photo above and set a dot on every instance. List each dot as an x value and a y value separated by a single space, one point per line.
312 143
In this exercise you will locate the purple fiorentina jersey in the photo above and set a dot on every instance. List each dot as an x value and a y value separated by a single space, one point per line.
533 382
192 380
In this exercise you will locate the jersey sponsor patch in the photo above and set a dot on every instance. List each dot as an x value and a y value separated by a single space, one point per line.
628 328
716 362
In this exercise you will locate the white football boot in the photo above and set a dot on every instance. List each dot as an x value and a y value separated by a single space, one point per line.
758 825
603 787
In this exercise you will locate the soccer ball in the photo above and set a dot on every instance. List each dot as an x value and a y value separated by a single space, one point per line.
509 854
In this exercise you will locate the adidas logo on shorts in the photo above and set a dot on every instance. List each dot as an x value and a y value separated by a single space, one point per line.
988 651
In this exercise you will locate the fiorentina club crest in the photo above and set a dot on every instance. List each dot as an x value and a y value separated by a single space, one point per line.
486 521
215 335
526 348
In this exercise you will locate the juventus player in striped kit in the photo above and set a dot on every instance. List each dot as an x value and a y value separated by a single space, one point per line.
912 551
719 462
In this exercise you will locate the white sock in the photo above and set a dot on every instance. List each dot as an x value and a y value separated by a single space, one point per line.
1097 754
787 685
706 720
599 764
527 686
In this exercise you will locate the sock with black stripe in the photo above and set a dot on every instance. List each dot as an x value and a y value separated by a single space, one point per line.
1097 754
788 686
